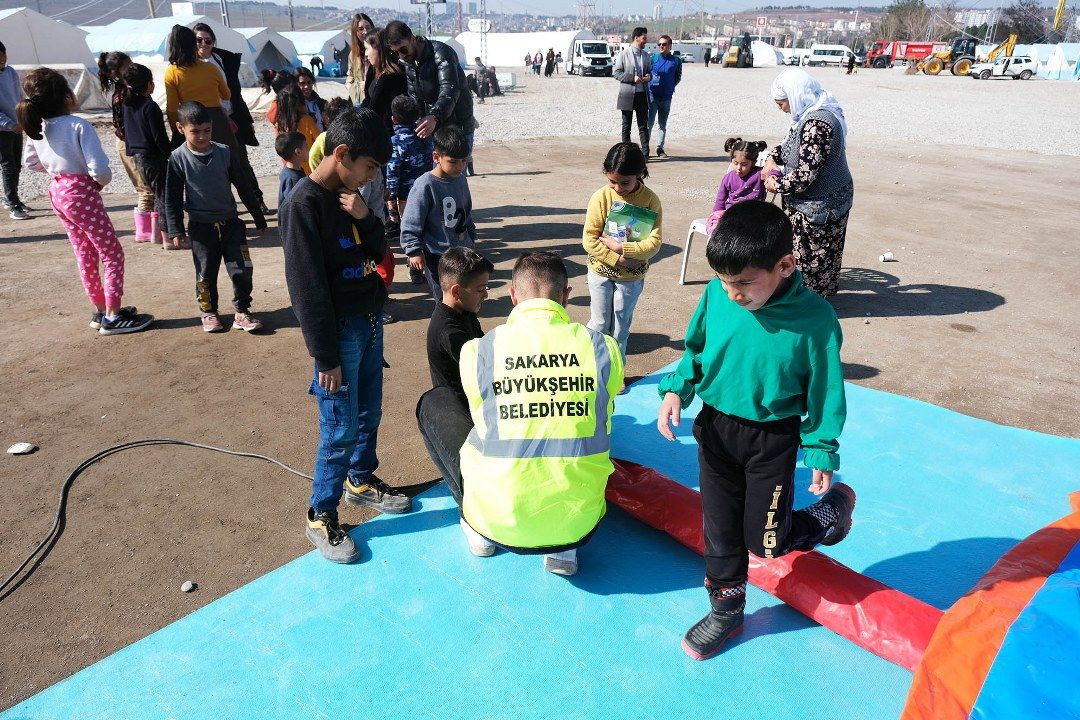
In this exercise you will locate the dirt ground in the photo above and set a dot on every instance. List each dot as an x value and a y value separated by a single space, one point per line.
974 316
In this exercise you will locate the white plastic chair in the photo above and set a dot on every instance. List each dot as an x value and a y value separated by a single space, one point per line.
698 226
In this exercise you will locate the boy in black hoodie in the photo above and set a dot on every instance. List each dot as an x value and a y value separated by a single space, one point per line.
333 242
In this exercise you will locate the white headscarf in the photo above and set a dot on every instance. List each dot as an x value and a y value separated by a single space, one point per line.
805 95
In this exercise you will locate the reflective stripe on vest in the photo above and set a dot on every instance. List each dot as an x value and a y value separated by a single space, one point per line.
493 446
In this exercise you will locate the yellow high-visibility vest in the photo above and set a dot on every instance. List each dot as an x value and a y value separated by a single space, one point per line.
541 391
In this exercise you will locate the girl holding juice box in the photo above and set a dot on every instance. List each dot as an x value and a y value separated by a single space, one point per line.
621 235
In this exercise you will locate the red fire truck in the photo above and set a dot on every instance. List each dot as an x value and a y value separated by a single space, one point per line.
884 53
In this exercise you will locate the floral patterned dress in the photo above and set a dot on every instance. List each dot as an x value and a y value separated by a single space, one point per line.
819 248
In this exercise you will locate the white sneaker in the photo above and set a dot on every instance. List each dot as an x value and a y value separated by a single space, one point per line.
562 563
478 544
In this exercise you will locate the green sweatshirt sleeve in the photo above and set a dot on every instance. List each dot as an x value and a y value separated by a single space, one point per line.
826 407
688 374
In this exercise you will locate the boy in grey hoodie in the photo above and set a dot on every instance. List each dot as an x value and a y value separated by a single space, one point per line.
11 139
438 213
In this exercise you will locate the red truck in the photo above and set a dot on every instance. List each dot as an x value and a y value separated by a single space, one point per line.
883 53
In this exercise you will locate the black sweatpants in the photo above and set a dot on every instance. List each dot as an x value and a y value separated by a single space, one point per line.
10 166
641 108
445 424
210 244
154 169
747 475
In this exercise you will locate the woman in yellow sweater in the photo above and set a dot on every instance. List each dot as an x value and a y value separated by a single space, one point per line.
187 78
617 265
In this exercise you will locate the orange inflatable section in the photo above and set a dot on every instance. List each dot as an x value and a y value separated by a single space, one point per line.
887 622
963 648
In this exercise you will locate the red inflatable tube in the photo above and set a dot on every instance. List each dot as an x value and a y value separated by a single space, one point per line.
887 622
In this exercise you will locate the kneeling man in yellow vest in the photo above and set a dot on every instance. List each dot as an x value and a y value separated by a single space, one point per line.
541 391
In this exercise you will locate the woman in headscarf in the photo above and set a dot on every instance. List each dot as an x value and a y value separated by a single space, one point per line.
815 180
358 66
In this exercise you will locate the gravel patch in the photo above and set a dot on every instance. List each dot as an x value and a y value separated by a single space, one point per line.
1035 115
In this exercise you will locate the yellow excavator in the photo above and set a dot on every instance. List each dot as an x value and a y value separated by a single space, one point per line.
959 58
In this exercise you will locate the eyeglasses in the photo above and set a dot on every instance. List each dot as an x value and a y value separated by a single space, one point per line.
203 41
664 44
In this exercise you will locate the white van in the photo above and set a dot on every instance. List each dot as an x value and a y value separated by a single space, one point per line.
828 54
590 57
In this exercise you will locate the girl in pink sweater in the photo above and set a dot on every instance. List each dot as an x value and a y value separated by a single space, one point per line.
743 182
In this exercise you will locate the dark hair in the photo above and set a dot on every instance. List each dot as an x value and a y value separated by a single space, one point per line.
192 112
110 64
386 62
304 72
333 107
137 79
541 274
181 49
291 107
750 147
354 47
451 142
203 27
405 110
460 266
396 31
753 233
3 48
638 32
286 144
47 94
363 132
665 37
626 158
282 80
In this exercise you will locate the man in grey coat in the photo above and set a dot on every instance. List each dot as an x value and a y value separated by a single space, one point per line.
633 70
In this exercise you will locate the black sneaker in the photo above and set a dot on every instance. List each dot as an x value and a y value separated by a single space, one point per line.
842 499
96 317
18 213
374 493
660 153
417 277
127 321
329 539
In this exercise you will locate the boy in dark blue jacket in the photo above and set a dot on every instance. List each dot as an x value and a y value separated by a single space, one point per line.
410 156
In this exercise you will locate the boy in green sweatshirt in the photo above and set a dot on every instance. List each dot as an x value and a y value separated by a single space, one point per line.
763 352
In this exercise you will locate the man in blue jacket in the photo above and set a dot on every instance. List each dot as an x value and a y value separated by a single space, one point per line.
666 74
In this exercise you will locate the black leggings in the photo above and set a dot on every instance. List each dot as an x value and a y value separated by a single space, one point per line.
641 108
746 472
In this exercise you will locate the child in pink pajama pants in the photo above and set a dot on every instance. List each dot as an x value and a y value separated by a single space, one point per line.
69 150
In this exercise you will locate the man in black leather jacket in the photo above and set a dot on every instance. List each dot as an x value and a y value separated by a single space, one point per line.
435 80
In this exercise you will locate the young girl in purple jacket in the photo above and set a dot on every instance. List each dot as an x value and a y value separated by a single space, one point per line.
743 182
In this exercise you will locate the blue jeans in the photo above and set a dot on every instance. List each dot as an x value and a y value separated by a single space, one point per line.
349 418
611 306
663 107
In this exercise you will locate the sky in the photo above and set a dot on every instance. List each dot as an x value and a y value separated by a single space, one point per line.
570 7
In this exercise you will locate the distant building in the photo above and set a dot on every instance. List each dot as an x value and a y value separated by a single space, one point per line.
974 18
657 11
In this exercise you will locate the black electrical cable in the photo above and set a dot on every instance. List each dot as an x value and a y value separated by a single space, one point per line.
35 558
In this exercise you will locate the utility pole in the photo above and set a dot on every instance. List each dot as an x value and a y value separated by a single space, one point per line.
225 13
459 16
153 12
292 21
483 31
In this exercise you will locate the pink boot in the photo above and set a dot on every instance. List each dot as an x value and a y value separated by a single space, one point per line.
142 226
155 233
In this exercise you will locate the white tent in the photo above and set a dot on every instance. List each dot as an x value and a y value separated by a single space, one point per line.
310 43
35 40
145 40
457 48
271 49
765 55
1062 62
508 49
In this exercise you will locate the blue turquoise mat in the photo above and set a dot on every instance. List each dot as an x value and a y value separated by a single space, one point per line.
423 629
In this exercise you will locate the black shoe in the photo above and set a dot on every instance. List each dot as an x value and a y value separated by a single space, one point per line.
329 539
660 153
708 636
417 277
126 321
842 499
265 210
724 621
374 493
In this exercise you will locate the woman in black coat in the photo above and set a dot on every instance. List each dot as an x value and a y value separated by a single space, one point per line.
385 78
243 125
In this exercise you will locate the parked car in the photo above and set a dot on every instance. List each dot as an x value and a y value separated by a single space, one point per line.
1017 68
686 56
828 54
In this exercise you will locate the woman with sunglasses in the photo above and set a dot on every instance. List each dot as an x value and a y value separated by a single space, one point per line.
242 124
188 78
358 65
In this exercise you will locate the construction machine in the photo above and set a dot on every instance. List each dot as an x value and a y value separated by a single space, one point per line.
959 58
